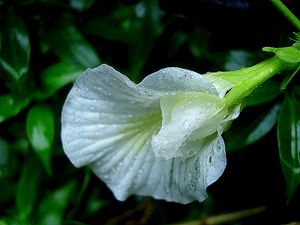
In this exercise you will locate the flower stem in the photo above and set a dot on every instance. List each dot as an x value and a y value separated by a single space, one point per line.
287 13
254 77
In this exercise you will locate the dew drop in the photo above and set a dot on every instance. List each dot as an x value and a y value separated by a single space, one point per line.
186 124
140 171
190 153
210 160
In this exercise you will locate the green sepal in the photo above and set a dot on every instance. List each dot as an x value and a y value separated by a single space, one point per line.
289 54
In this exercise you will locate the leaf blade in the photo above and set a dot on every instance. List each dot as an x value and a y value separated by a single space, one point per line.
288 133
40 131
14 47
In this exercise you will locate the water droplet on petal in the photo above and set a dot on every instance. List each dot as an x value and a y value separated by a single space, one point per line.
190 153
186 124
210 160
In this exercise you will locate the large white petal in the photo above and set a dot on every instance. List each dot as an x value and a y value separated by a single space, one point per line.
103 108
174 79
180 180
108 123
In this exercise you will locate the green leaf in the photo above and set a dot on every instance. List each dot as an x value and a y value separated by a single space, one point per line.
267 92
8 190
176 41
94 204
57 76
66 41
27 188
10 106
12 221
289 54
40 130
14 47
288 132
198 43
52 208
288 79
3 158
239 137
116 26
138 26
141 45
237 59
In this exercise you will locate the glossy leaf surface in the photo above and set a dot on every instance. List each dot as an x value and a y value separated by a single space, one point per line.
288 132
40 130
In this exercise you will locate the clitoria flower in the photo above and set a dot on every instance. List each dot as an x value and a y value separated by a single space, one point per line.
159 138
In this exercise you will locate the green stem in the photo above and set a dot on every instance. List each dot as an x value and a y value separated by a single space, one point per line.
287 13
254 77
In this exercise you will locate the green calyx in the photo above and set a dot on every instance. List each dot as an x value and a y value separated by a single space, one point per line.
246 80
288 54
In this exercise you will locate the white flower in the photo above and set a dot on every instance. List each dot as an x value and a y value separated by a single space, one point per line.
160 138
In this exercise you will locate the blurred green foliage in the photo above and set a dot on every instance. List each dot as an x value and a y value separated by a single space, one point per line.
46 44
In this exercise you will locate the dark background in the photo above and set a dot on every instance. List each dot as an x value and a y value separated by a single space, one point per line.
137 38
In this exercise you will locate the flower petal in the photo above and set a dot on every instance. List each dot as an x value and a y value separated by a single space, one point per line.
222 86
186 117
174 79
178 180
104 109
104 105
108 123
